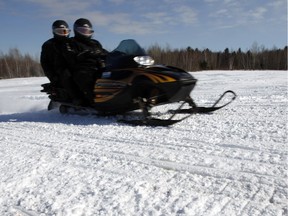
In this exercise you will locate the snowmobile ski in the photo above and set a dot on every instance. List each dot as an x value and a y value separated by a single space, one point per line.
202 110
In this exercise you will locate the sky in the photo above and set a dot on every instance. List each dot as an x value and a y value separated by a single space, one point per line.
175 24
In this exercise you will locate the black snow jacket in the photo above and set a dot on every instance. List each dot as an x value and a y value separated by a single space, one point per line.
88 54
53 61
86 58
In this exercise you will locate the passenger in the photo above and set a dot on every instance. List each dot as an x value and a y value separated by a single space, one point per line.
54 63
52 60
89 57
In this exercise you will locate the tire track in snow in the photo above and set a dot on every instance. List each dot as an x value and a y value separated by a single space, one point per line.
199 159
212 157
193 146
104 150
199 162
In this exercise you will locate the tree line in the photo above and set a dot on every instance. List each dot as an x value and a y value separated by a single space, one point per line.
14 64
257 58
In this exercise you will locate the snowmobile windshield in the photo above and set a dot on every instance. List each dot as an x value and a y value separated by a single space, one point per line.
130 47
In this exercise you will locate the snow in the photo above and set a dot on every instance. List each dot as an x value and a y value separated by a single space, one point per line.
233 162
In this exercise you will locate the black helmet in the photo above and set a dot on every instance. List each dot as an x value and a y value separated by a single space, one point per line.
60 28
83 28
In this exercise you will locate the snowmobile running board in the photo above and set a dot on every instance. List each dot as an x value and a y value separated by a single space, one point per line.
153 122
147 119
66 108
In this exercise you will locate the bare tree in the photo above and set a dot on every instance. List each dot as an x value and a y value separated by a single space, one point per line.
14 64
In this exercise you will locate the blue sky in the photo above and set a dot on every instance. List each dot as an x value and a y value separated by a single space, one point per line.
212 24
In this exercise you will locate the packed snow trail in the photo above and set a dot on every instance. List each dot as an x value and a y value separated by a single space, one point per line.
233 162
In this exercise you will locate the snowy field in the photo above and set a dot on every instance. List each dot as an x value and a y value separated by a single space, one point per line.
233 162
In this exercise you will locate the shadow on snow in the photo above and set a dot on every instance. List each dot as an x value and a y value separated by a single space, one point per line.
56 117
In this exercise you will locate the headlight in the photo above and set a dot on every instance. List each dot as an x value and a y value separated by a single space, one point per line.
106 74
144 60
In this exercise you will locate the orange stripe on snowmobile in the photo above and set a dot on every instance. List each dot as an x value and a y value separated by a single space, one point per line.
159 78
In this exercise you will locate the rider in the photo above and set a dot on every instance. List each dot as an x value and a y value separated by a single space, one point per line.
87 59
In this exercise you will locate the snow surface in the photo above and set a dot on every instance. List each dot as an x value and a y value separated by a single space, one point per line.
233 162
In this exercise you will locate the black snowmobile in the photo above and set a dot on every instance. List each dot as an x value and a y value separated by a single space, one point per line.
131 81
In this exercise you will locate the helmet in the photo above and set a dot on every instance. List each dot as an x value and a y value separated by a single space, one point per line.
83 28
60 28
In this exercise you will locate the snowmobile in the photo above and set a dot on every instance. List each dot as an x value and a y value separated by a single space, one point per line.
130 82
